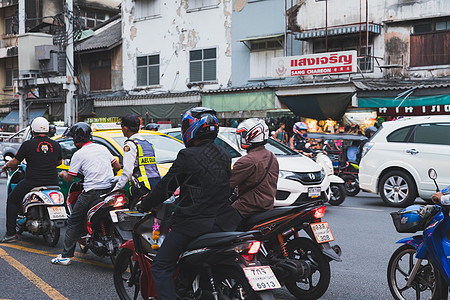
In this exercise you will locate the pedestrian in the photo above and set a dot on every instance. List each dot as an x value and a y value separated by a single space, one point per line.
94 162
42 155
138 160
281 134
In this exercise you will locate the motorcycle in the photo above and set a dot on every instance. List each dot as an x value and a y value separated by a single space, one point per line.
221 265
302 264
349 173
337 184
43 210
103 237
419 269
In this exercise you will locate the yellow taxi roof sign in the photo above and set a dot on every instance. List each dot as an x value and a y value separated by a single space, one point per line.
104 126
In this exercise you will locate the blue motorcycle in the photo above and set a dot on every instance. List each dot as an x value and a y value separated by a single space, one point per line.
420 268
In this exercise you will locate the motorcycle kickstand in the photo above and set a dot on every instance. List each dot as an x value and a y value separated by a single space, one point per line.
414 272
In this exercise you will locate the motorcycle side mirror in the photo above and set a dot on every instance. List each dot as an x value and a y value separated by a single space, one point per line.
308 145
8 158
67 162
432 174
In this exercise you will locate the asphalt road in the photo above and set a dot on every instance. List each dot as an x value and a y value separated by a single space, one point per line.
362 227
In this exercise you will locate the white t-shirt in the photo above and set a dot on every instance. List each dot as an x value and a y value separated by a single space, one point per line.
94 162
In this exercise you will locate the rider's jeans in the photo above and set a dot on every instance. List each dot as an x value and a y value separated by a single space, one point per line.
13 204
165 263
76 218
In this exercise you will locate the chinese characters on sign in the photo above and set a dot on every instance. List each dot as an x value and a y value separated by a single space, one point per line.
315 64
415 110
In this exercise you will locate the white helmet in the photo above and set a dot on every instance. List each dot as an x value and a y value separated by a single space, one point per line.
253 132
40 125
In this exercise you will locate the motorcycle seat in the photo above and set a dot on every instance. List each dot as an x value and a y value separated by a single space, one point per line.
213 239
270 214
42 188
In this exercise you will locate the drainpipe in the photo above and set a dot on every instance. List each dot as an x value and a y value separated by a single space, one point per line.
326 25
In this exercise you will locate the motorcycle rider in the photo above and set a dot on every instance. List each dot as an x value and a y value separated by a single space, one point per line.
202 171
255 174
138 160
298 140
94 162
42 155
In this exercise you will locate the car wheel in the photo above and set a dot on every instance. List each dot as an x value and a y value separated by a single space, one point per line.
397 188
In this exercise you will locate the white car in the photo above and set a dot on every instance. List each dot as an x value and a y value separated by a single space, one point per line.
396 160
300 179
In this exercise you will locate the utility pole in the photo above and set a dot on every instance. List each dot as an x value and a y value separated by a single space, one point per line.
69 86
20 89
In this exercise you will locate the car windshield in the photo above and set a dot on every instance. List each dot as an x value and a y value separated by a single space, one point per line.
166 148
272 145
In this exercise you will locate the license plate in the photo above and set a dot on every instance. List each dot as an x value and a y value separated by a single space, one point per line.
322 232
113 214
261 278
57 212
314 192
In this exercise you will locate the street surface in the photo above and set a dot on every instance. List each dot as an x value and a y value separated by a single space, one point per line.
362 227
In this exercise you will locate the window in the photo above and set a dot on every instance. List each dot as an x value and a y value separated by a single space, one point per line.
91 19
427 46
196 4
366 62
10 74
148 70
147 8
202 65
400 135
438 134
261 54
227 147
11 25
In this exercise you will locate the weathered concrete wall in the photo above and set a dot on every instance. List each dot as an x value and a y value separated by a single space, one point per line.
171 35
398 10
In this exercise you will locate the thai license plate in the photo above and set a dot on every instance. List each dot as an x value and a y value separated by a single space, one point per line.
261 278
313 192
322 232
57 212
113 214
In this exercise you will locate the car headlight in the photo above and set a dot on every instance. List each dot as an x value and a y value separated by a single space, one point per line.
322 174
287 175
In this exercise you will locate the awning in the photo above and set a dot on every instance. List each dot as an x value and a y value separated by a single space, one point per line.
262 37
374 102
13 117
239 102
318 106
312 34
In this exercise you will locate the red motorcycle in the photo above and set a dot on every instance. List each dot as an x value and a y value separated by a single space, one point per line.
221 265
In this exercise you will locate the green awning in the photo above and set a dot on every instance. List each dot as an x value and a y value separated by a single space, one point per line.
239 101
410 101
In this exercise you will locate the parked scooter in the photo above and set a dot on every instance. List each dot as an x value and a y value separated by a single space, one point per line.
302 264
337 184
419 269
221 265
43 210
102 236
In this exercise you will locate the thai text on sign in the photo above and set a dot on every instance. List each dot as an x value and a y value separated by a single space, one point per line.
315 64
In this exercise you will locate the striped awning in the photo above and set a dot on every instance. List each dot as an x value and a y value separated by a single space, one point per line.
312 34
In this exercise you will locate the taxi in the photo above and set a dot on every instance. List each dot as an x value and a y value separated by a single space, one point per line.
110 135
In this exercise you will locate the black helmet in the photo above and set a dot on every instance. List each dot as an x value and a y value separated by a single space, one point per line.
199 123
81 133
152 126
51 130
370 131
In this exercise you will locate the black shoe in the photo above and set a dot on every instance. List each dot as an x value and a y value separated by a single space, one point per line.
9 238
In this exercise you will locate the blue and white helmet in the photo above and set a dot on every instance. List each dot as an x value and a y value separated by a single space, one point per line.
199 123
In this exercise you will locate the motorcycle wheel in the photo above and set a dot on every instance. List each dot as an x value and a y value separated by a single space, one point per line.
231 283
127 275
51 237
427 284
337 194
315 285
351 186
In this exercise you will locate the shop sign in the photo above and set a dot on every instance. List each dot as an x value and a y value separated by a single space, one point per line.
315 64
415 110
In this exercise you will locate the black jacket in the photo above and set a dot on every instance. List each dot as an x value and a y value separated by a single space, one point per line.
203 174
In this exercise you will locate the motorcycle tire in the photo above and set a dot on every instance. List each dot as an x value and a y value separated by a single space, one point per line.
338 194
315 285
230 282
126 275
351 189
51 237
400 266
